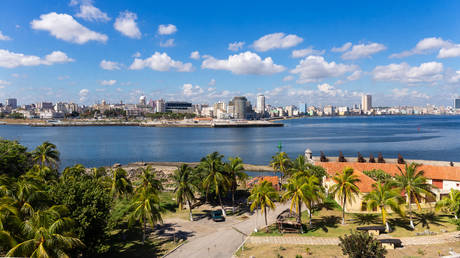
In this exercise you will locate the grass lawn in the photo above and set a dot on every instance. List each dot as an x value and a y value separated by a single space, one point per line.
327 223
268 251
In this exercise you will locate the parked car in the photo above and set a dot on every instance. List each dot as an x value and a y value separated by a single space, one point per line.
217 216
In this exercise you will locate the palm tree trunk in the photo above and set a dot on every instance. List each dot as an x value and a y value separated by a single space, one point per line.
222 206
299 212
143 232
410 213
455 215
233 198
265 213
309 215
343 210
190 209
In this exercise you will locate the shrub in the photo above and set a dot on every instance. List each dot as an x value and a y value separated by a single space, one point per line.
361 244
455 222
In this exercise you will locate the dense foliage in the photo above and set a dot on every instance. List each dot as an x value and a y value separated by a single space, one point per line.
14 158
378 175
361 245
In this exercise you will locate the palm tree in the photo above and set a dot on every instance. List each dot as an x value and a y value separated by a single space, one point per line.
148 181
262 196
185 189
303 189
46 154
145 208
47 234
215 175
120 183
384 195
345 188
235 173
301 166
10 223
450 203
414 184
281 162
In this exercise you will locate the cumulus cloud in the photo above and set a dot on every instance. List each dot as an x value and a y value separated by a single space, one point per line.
195 55
65 27
168 29
363 51
108 82
90 13
428 45
160 62
109 65
167 43
315 68
452 76
3 82
305 52
405 93
4 37
288 78
11 60
83 94
189 90
236 46
126 25
276 40
212 82
243 63
137 54
343 48
355 75
426 72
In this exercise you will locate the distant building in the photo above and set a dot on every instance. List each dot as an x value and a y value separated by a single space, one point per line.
457 103
178 107
12 103
160 106
239 107
44 105
329 110
142 100
260 108
366 103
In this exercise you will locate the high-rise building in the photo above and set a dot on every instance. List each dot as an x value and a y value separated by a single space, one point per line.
457 103
160 106
366 103
142 100
239 107
44 105
260 104
12 103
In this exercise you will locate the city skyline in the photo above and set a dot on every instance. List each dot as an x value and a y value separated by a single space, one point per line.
85 51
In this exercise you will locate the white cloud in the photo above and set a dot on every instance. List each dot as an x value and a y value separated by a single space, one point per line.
189 90
91 13
305 52
426 72
168 29
355 75
109 65
343 48
4 37
405 93
212 82
329 90
83 94
236 46
195 55
276 40
315 68
11 60
453 77
63 77
428 45
288 78
65 27
363 50
137 54
126 24
167 43
243 63
108 82
160 62
3 82
452 51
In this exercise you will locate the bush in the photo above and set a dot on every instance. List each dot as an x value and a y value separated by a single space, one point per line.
455 222
361 244
14 158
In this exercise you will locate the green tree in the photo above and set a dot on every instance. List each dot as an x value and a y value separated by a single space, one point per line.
345 188
215 175
46 154
145 208
450 203
414 184
14 158
121 185
147 181
89 202
263 195
47 234
384 196
184 187
281 162
300 165
378 175
361 245
303 189
236 174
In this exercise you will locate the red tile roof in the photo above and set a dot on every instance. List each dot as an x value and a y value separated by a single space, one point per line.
333 168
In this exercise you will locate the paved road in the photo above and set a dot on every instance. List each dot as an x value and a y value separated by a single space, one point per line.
225 240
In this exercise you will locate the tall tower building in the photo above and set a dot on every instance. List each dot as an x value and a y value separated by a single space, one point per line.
142 100
260 104
366 103
457 103
239 107
12 103
160 106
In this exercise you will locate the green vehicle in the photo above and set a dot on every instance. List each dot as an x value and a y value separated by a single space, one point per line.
217 216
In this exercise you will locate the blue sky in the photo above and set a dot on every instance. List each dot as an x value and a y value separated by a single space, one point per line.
323 52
